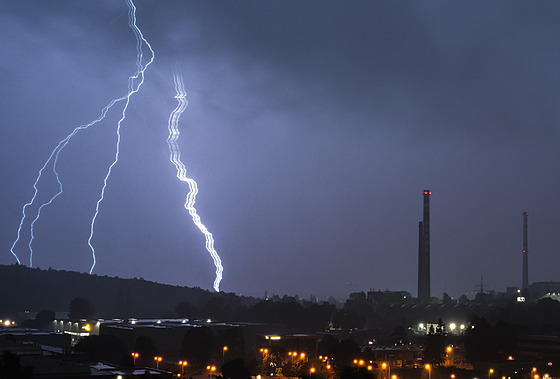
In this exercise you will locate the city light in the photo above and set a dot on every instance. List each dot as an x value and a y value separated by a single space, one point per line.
157 360
134 356
183 364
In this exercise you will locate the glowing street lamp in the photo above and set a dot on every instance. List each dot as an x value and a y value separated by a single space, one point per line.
134 356
429 368
490 372
386 366
211 370
224 349
157 359
183 364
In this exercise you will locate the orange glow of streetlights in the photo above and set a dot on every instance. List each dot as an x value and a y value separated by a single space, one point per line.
224 349
394 376
452 376
370 368
312 370
429 368
134 356
302 355
157 359
361 362
449 349
355 361
387 366
183 364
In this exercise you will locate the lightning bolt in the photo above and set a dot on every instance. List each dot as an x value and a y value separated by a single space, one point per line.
138 76
134 83
175 158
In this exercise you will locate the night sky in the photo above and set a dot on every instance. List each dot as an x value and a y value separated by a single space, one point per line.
312 129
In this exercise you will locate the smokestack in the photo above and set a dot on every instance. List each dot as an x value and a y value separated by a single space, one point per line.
525 282
420 257
424 252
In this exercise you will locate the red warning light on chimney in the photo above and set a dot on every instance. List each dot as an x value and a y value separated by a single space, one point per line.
427 192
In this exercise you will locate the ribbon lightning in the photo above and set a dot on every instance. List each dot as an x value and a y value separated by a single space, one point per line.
175 158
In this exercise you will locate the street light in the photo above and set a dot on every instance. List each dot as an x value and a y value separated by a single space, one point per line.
224 349
490 372
210 369
429 368
183 364
157 359
134 356
387 366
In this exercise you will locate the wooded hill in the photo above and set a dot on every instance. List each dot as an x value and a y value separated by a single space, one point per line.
23 288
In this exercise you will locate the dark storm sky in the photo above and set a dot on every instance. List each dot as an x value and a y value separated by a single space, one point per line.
312 129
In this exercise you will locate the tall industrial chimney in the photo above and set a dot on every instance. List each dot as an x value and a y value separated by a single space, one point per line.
424 252
525 282
420 257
